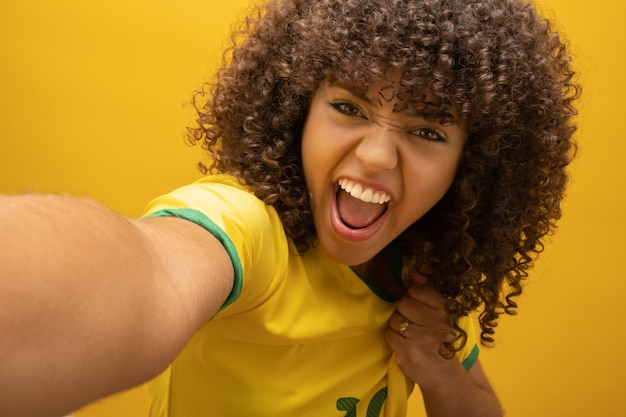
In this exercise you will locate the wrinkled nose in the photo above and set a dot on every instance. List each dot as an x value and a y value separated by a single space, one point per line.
377 150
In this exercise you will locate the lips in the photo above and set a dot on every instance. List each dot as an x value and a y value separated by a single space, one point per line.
360 206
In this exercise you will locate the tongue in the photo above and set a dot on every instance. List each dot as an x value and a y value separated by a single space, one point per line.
355 213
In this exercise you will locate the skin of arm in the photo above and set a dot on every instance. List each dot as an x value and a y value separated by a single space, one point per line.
448 389
92 303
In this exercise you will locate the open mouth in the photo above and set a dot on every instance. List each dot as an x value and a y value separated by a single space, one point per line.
358 206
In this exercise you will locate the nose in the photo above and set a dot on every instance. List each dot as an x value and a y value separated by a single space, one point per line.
377 149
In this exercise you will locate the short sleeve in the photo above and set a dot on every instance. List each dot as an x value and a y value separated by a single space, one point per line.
249 230
469 354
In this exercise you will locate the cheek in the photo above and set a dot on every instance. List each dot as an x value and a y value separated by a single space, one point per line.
432 171
444 182
430 183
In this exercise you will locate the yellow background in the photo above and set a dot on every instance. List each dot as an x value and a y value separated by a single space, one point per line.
94 100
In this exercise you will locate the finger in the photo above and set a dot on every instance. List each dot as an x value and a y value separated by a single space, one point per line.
415 278
394 340
428 296
399 324
422 312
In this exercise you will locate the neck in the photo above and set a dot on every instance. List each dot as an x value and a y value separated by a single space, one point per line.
377 271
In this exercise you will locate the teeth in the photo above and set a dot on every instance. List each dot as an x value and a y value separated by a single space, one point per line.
367 195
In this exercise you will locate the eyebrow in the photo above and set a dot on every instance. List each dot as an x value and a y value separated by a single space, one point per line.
444 118
356 92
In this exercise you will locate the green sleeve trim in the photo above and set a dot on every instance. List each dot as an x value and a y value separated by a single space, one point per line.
471 358
203 221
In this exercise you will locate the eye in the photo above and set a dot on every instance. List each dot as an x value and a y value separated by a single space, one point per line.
348 109
430 134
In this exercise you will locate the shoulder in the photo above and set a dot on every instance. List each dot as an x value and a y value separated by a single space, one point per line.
250 230
221 201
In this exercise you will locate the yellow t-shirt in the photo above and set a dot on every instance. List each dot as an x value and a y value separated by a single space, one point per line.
299 335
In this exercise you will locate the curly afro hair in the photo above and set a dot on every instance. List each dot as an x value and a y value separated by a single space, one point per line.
497 64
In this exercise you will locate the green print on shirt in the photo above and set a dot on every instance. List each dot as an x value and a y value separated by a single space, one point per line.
373 409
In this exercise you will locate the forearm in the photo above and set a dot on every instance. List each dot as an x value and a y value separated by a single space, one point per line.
461 396
75 303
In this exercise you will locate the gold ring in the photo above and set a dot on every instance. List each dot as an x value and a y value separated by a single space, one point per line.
402 326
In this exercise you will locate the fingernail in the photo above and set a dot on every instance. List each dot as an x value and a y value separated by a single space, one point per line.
417 278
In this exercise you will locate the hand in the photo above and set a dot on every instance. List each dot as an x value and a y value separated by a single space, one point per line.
417 330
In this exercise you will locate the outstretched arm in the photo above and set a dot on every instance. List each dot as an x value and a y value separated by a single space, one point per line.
415 333
92 303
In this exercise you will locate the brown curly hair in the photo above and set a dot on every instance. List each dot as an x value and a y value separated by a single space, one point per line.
497 63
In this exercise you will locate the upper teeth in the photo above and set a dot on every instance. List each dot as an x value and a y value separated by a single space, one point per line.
365 194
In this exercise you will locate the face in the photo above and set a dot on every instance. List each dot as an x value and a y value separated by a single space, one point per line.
372 171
